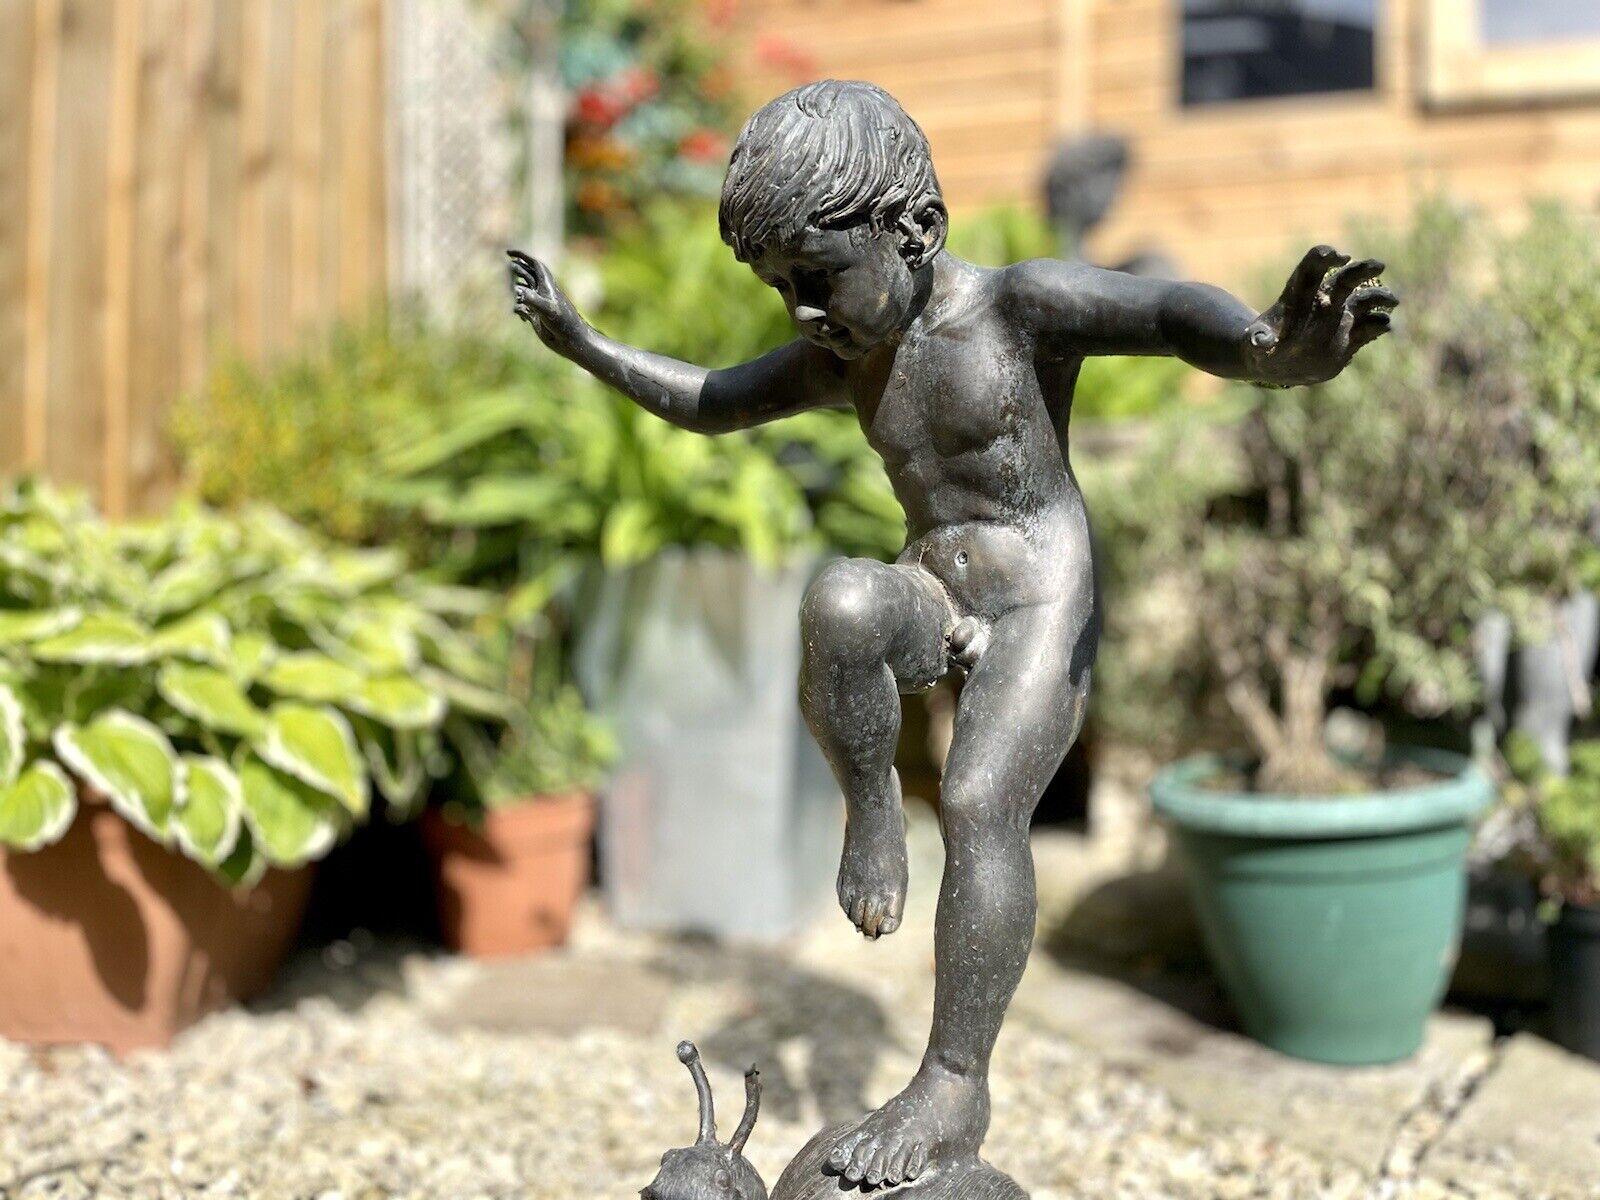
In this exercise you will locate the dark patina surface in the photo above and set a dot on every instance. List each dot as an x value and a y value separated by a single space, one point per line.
962 378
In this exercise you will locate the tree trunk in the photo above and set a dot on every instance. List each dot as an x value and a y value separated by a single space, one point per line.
1300 763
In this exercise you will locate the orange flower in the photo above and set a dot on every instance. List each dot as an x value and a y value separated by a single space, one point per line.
781 54
703 145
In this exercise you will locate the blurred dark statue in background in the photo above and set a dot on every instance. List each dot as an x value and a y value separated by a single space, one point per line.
962 378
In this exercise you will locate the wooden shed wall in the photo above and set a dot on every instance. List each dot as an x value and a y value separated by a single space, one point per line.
1223 187
176 176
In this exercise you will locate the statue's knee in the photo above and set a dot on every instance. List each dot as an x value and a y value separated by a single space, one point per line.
842 611
975 813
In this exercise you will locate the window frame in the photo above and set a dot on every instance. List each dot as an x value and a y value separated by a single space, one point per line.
1352 97
1459 69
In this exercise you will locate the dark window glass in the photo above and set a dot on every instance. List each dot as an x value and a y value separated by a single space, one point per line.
1254 49
1538 20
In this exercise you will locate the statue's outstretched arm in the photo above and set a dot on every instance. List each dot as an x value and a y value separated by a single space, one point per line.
790 379
1329 309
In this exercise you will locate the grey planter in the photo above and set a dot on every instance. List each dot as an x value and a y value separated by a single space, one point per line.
721 816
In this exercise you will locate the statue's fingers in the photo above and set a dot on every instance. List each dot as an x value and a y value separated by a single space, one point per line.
1352 276
1369 327
1306 280
1370 299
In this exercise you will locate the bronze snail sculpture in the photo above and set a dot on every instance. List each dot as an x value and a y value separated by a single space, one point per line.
710 1170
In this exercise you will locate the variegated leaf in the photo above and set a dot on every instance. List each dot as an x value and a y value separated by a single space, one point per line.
202 636
290 822
13 736
131 762
317 747
208 823
307 675
18 627
399 703
103 637
37 808
212 698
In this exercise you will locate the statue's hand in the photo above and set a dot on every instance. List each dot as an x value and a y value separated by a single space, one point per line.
1329 309
542 304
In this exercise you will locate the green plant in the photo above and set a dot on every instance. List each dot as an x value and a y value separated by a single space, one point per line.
550 742
313 422
235 687
1561 842
531 482
1373 519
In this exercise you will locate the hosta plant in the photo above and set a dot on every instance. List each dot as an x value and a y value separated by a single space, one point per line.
235 687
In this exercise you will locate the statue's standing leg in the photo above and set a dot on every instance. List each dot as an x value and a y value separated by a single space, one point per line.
1019 713
869 631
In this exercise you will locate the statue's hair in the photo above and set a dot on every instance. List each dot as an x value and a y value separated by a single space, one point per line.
827 155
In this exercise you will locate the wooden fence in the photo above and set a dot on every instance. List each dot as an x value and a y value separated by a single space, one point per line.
178 179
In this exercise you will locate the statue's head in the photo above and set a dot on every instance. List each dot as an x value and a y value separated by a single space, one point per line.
832 199
709 1170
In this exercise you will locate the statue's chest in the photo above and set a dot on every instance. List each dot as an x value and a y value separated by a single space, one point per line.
945 406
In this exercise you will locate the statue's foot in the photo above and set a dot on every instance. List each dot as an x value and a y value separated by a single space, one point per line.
872 871
937 1116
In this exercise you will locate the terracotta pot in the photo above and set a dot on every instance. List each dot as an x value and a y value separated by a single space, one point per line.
510 887
108 937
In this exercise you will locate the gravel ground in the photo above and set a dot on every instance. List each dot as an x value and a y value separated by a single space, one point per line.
345 1087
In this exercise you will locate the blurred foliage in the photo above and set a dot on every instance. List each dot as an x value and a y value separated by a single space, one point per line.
302 434
651 100
559 746
1450 470
534 482
1563 851
235 686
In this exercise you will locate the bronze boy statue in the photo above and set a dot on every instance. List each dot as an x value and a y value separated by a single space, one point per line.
962 378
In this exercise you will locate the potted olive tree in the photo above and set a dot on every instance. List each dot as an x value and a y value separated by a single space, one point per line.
1369 522
191 711
511 842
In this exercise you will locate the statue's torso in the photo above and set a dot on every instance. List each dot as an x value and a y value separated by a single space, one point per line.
976 454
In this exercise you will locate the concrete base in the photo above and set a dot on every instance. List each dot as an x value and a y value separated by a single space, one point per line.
808 1178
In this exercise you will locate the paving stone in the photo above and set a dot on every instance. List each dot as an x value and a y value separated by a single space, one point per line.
558 994
1531 1129
1345 1115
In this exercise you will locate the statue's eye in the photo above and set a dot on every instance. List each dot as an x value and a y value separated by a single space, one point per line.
723 1180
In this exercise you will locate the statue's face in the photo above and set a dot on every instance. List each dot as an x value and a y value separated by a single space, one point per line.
847 290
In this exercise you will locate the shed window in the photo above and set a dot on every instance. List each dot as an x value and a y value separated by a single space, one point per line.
1506 22
1257 49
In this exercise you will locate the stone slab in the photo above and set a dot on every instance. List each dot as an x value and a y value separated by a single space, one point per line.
1530 1129
1341 1114
559 994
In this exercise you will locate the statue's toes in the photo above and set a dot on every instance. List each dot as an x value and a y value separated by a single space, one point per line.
916 1161
839 1156
895 1170
861 1160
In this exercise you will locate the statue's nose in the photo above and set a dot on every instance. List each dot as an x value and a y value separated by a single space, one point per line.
804 314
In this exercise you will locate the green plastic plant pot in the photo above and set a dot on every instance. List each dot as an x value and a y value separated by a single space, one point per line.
1332 921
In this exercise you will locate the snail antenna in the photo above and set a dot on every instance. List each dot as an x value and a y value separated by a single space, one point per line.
752 1105
690 1057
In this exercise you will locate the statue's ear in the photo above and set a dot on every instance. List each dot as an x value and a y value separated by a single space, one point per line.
922 228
